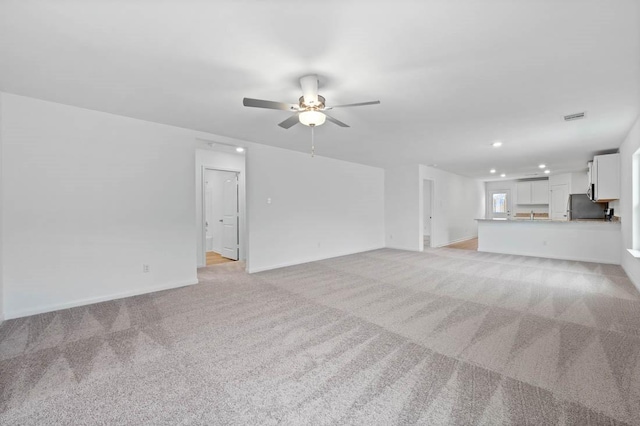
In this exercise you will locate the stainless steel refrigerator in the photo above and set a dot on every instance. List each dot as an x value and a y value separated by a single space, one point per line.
581 207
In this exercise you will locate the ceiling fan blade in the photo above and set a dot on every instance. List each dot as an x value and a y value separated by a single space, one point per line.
259 103
290 122
353 105
334 121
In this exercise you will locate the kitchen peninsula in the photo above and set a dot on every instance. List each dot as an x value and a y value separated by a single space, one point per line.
587 240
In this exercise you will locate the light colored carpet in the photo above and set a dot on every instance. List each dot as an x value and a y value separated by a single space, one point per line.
385 337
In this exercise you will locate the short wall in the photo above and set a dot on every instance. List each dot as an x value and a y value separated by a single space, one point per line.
582 241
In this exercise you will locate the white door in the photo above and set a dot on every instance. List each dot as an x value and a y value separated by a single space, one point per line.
559 201
500 204
230 216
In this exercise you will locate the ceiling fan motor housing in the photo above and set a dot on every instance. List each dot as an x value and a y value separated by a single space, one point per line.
317 106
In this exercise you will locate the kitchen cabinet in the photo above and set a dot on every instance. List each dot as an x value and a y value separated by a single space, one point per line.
605 177
533 192
540 192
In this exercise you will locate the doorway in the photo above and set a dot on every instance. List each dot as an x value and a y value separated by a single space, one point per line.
221 215
427 212
499 205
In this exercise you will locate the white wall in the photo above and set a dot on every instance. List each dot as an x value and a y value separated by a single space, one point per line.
224 161
1 218
319 208
628 202
458 202
426 209
402 207
579 183
89 198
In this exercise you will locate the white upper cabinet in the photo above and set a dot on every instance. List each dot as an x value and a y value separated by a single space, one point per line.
605 176
540 192
523 190
533 192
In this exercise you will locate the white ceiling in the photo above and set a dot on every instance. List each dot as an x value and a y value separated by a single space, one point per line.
452 76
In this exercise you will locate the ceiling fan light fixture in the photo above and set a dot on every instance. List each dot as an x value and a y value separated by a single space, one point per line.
312 118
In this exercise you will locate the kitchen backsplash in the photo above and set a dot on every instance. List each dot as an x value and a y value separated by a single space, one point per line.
538 215
536 209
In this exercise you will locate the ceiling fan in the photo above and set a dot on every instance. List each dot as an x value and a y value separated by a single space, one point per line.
310 109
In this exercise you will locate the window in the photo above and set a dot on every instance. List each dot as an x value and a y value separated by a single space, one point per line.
499 203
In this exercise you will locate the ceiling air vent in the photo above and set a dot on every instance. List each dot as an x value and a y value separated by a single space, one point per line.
572 117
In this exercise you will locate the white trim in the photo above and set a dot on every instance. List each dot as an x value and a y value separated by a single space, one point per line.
92 300
309 260
634 253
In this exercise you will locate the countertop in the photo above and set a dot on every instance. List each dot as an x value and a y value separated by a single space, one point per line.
548 221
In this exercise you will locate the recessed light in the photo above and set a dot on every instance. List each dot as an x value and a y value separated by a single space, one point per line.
542 166
546 172
240 149
492 171
496 144
503 175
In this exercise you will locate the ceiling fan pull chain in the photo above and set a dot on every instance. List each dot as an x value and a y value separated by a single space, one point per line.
313 147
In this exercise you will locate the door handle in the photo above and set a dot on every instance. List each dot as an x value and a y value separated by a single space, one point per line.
220 220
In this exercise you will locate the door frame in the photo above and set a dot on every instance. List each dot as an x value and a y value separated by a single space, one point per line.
490 202
204 209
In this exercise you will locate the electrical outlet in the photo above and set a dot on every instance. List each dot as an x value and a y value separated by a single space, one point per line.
145 268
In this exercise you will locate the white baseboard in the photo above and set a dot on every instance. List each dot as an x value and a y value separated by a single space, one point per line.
92 300
309 260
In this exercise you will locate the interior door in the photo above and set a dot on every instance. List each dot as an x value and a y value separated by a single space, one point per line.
500 204
559 200
230 216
